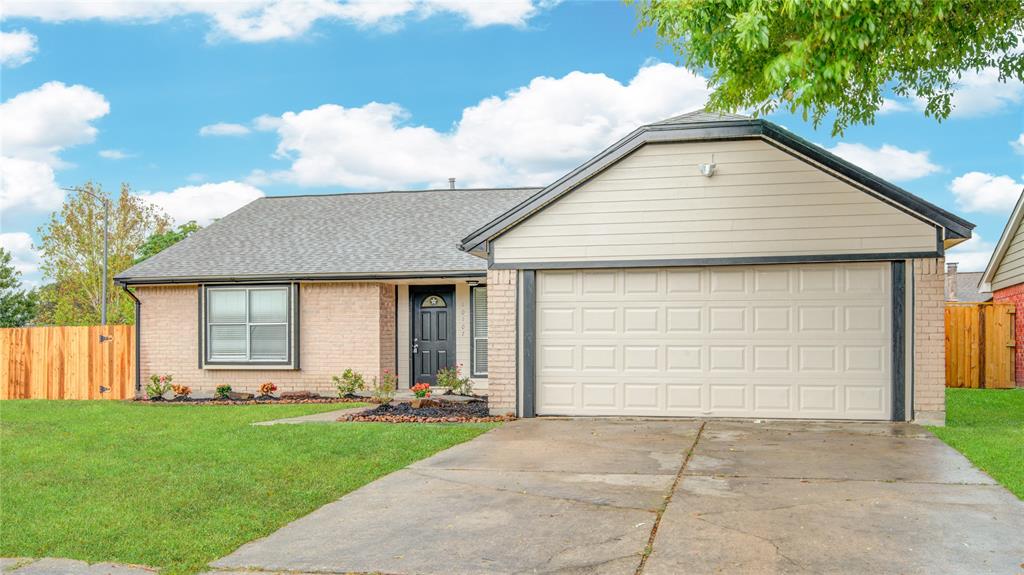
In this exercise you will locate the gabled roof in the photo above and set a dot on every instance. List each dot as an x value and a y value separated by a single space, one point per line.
1004 243
966 288
706 126
383 234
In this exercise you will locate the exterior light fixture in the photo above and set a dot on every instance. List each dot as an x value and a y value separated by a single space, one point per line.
707 170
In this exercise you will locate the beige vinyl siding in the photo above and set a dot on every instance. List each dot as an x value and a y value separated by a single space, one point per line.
654 204
1011 270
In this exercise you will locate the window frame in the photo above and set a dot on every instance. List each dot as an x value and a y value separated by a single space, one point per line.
290 326
473 372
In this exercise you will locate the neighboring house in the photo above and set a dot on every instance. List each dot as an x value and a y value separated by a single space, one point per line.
963 287
706 265
1004 277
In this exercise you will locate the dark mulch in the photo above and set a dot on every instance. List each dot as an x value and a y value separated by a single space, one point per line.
261 400
442 412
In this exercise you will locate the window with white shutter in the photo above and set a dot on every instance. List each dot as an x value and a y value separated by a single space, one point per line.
248 325
479 367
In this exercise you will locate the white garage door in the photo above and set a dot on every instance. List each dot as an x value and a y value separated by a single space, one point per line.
786 341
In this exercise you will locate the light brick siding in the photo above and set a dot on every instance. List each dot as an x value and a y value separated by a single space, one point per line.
501 342
929 341
343 325
1015 295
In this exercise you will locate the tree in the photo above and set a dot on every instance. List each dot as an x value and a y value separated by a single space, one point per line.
821 56
17 306
160 241
71 249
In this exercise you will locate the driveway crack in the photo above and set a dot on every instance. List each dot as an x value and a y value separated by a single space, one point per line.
668 499
775 546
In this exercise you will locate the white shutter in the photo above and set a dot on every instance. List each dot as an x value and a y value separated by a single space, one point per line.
480 331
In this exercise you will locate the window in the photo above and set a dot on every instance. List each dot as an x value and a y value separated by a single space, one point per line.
248 325
479 320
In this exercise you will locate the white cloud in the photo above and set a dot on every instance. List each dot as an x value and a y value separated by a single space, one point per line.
889 162
530 135
981 192
223 129
890 106
17 48
1018 144
115 154
205 202
972 255
24 258
981 93
35 126
38 124
264 20
28 185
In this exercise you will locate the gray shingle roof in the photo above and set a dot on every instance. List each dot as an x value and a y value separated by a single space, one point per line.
700 116
341 234
967 287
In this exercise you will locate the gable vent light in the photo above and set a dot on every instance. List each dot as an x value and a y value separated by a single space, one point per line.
707 170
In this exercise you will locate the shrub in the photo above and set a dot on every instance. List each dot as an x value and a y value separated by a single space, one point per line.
384 390
451 377
181 391
267 388
421 389
349 383
222 392
158 386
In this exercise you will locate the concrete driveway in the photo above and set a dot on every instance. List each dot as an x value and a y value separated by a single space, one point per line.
591 495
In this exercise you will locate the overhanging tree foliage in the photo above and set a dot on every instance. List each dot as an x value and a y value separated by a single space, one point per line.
17 305
819 56
71 249
160 241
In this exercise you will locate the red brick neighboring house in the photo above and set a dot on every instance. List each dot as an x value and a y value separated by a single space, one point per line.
1004 277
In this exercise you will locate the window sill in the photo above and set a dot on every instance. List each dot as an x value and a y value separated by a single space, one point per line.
249 367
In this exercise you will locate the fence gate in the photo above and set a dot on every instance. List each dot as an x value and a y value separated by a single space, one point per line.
68 362
979 345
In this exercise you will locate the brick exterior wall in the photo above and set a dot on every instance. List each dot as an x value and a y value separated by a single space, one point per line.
929 341
501 341
1015 295
342 325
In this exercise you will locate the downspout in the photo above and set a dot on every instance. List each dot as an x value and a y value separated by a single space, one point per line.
138 338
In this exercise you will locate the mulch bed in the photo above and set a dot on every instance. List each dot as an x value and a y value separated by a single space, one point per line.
255 401
442 412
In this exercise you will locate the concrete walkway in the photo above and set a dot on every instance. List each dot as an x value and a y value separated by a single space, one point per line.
53 566
590 495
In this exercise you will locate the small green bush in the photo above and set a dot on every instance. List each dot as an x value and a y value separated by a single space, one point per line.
384 389
451 377
222 392
158 386
349 383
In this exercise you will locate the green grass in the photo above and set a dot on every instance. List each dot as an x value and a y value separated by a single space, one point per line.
987 425
176 487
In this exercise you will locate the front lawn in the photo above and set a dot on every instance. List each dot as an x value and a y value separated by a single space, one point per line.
987 425
177 486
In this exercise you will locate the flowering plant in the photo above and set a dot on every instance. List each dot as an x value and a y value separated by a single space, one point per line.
181 391
267 388
384 390
158 385
421 390
451 377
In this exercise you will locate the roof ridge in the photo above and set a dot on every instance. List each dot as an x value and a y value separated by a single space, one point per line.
428 190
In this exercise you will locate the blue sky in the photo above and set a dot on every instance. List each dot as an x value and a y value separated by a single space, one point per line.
322 97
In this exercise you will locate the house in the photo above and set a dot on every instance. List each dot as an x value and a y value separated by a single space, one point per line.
1004 277
963 287
705 265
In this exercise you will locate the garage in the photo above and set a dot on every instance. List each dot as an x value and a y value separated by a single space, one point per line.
788 341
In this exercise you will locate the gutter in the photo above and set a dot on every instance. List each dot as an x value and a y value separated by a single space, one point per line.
124 281
138 337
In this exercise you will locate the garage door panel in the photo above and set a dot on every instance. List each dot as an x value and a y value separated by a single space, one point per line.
807 341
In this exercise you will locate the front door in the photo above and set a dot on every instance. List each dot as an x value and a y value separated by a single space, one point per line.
433 331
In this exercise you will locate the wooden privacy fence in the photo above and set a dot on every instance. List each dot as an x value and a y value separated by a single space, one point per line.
68 362
979 345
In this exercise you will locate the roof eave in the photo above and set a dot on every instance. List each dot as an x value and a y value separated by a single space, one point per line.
356 276
1004 244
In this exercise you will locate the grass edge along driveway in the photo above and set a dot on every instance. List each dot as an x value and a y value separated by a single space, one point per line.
176 487
987 426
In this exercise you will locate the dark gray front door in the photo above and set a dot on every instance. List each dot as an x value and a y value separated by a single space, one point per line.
433 331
